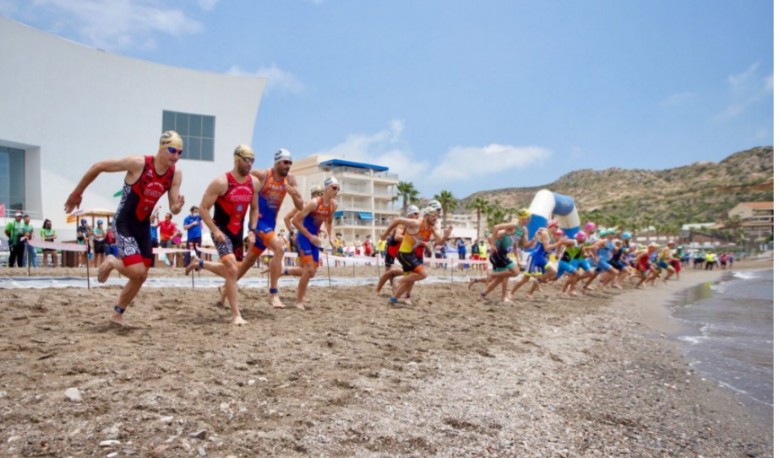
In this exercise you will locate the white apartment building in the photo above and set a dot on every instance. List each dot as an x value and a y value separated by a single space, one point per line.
464 225
366 202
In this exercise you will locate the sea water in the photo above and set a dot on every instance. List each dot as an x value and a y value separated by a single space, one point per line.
727 334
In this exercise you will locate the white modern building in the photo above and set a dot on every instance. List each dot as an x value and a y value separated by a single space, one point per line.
65 106
366 203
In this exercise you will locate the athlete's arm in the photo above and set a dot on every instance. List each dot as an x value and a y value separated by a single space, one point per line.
408 223
288 219
254 214
398 236
216 188
175 199
133 165
298 222
292 190
442 238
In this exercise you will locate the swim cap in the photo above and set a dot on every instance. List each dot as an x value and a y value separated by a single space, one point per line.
316 189
626 235
552 223
244 151
100 221
430 211
603 233
523 213
412 209
435 205
612 231
581 236
331 181
282 155
559 232
171 138
590 226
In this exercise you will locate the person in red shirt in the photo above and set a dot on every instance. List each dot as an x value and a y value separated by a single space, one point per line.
368 248
231 194
147 178
167 231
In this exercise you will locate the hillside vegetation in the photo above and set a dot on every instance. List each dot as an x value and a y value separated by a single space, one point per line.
700 192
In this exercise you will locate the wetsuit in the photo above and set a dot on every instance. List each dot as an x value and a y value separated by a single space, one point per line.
131 223
500 257
391 250
229 211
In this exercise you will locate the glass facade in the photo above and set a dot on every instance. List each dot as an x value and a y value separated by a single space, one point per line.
196 130
12 178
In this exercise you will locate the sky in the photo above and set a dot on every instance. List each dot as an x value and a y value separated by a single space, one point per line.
466 96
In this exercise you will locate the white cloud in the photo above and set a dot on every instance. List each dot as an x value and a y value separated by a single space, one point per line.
118 24
384 147
746 89
278 79
474 162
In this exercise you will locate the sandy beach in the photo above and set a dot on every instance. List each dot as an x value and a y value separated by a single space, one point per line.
353 376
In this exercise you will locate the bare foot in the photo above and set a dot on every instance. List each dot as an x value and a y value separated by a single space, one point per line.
193 265
119 320
276 302
507 299
407 300
238 321
472 282
300 306
105 269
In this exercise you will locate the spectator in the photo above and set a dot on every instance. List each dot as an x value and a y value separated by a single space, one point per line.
461 244
194 228
83 234
98 244
14 230
167 231
111 242
49 235
31 256
368 248
154 224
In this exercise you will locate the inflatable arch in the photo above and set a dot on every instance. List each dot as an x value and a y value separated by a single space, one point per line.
547 204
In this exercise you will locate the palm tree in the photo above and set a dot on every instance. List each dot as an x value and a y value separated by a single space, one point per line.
448 202
496 214
408 194
481 206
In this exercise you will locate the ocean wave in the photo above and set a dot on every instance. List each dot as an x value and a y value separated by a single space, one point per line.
746 274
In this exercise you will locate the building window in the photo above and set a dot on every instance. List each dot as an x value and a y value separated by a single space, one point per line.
11 178
196 130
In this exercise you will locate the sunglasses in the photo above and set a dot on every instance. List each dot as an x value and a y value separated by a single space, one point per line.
286 162
247 160
336 188
173 150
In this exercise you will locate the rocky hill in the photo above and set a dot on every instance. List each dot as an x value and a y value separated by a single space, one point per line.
700 192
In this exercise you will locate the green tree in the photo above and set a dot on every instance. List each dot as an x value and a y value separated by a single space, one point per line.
448 202
496 214
409 195
481 206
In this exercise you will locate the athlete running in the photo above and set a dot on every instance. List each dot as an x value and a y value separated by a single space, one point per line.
147 178
393 244
308 221
234 193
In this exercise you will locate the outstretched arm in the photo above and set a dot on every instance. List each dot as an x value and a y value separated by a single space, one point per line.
133 165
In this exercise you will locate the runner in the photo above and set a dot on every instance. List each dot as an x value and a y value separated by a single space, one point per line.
146 180
393 244
275 184
503 240
418 233
308 222
234 193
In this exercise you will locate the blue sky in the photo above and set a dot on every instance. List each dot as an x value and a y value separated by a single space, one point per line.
466 95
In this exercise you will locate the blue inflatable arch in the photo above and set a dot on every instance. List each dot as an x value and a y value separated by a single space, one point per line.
548 204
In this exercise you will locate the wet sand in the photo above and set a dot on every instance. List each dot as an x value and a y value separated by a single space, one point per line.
354 376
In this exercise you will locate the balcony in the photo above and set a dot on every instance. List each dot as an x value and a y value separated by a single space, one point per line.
386 176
